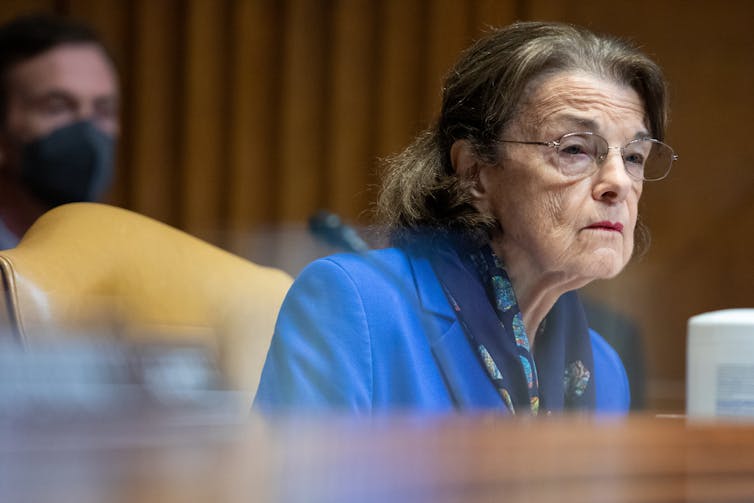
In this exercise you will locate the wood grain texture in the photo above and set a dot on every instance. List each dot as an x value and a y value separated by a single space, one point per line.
401 459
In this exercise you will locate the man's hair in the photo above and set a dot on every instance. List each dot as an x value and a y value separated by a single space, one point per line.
26 37
421 193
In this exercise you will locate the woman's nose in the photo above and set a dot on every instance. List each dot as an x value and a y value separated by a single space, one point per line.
612 181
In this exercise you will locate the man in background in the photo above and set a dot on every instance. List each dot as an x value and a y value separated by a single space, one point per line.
58 119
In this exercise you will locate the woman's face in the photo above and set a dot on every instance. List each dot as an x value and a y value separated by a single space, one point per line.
559 228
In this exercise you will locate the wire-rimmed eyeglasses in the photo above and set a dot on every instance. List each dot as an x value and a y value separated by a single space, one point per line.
581 154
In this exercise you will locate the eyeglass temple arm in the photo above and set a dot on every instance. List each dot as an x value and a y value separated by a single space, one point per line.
553 143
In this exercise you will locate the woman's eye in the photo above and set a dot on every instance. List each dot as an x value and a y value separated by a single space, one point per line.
573 150
634 158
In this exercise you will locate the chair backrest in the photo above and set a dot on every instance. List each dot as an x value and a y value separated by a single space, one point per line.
91 266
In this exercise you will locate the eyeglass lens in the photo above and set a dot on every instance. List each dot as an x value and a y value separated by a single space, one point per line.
645 159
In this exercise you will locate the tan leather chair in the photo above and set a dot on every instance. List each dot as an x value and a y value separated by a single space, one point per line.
93 268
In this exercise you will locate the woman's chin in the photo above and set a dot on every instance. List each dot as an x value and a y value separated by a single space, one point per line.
580 274
604 264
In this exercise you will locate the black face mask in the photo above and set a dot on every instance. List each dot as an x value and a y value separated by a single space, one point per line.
72 163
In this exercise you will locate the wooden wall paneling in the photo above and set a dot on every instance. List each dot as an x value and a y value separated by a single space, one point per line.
548 10
711 79
349 158
304 109
737 258
10 9
204 121
449 32
254 116
401 93
494 13
704 208
108 17
151 108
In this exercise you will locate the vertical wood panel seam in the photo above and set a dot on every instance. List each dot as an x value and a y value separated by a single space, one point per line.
373 175
223 201
276 122
179 104
126 112
325 154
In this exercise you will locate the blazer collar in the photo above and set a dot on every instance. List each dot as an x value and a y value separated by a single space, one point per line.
466 379
431 295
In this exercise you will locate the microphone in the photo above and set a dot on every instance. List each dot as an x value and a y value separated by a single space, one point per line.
329 228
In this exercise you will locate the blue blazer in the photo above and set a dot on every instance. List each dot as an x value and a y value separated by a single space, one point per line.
377 334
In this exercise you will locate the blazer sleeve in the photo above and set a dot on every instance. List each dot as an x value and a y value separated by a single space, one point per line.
320 354
613 394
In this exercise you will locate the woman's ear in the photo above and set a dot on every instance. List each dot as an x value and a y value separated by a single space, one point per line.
464 159
468 166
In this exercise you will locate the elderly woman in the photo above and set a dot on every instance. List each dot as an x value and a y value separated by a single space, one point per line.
525 190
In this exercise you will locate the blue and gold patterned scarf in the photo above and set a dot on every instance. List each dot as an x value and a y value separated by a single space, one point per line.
555 376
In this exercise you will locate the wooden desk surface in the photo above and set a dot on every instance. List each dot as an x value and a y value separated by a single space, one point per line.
411 459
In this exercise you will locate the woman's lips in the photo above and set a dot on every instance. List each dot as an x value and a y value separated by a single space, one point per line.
608 226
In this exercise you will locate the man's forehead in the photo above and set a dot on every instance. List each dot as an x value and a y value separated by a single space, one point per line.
80 69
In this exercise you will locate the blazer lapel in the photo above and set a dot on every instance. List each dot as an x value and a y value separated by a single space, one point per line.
464 375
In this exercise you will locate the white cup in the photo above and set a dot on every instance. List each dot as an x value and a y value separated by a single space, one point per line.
720 364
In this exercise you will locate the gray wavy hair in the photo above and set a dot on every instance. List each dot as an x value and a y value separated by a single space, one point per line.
421 193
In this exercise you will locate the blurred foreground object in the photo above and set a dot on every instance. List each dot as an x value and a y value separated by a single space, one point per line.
720 364
88 268
392 459
81 378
